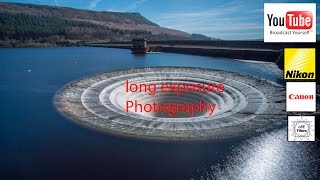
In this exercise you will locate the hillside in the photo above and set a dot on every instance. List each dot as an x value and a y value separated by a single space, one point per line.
34 24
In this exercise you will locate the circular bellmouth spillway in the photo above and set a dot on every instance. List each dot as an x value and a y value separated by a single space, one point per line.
246 105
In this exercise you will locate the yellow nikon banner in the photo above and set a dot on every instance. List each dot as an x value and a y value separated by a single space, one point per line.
299 63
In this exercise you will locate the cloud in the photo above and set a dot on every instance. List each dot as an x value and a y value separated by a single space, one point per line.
130 7
94 3
56 3
214 12
134 5
231 20
222 27
203 14
111 10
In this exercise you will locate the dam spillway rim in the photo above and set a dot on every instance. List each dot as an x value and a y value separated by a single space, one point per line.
226 132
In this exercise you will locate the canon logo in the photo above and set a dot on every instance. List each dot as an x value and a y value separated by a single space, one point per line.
300 97
292 20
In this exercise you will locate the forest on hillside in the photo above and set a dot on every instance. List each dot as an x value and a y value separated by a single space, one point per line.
52 30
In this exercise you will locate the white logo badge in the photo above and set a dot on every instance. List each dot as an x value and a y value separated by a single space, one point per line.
290 22
301 96
301 128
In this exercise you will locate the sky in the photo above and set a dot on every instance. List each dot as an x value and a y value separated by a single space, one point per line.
224 19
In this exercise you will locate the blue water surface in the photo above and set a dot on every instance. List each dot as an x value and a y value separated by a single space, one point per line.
36 142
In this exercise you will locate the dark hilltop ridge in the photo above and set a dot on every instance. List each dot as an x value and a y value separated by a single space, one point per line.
41 25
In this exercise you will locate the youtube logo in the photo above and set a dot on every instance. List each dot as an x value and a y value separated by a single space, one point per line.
299 20
290 22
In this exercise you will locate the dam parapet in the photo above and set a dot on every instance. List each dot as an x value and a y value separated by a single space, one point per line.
245 53
246 50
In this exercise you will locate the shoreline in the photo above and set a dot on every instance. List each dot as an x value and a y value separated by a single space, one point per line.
237 53
255 51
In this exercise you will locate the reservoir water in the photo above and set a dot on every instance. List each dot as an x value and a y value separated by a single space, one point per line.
36 142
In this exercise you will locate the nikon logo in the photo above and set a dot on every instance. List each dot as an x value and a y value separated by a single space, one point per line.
299 75
299 63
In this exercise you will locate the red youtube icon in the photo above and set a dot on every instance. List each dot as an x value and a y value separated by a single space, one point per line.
299 20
